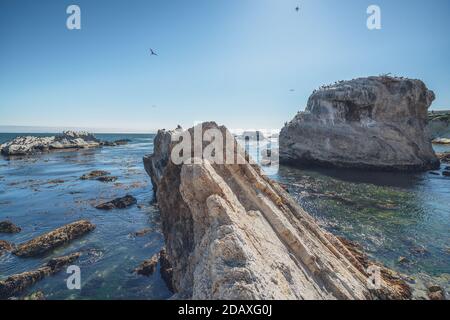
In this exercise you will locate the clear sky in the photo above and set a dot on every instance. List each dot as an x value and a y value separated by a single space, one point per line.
232 61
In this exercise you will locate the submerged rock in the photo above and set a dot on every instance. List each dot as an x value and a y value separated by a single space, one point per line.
369 123
122 142
232 233
9 227
18 282
118 203
53 239
5 246
31 145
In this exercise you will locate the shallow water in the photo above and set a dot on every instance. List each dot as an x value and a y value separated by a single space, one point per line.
391 215
33 197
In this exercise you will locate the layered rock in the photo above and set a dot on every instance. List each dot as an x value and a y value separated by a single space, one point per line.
67 140
369 123
232 233
54 239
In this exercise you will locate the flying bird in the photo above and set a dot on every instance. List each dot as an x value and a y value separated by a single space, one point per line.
297 8
152 52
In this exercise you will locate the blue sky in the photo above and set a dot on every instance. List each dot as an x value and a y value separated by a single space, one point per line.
233 61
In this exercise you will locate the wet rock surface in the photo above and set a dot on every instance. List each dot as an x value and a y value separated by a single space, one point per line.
15 284
436 293
232 233
54 239
100 175
5 246
118 203
444 157
374 123
9 227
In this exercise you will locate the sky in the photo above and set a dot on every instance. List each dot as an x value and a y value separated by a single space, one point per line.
231 61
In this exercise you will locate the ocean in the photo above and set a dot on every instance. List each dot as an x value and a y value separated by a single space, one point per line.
391 215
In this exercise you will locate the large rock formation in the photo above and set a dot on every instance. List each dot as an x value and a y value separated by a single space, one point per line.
369 123
232 233
67 140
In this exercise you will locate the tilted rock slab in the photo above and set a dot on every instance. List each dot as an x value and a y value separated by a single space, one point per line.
17 283
232 233
369 123
54 239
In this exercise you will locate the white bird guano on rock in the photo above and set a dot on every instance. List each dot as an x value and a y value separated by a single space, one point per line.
375 123
232 233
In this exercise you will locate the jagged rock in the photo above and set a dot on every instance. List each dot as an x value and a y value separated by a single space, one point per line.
148 267
369 123
9 227
156 162
31 145
18 282
118 203
444 157
5 246
232 233
53 239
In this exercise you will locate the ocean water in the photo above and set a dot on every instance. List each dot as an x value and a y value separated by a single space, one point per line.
391 215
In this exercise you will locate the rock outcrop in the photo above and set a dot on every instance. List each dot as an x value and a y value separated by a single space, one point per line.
369 123
232 233
15 284
5 246
27 145
54 239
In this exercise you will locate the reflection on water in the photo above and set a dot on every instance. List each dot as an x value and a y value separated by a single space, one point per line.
392 215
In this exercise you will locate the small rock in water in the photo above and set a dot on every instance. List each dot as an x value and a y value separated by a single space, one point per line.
142 232
8 227
446 173
419 250
118 203
402 260
53 239
436 293
444 157
148 267
434 173
38 295
94 174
